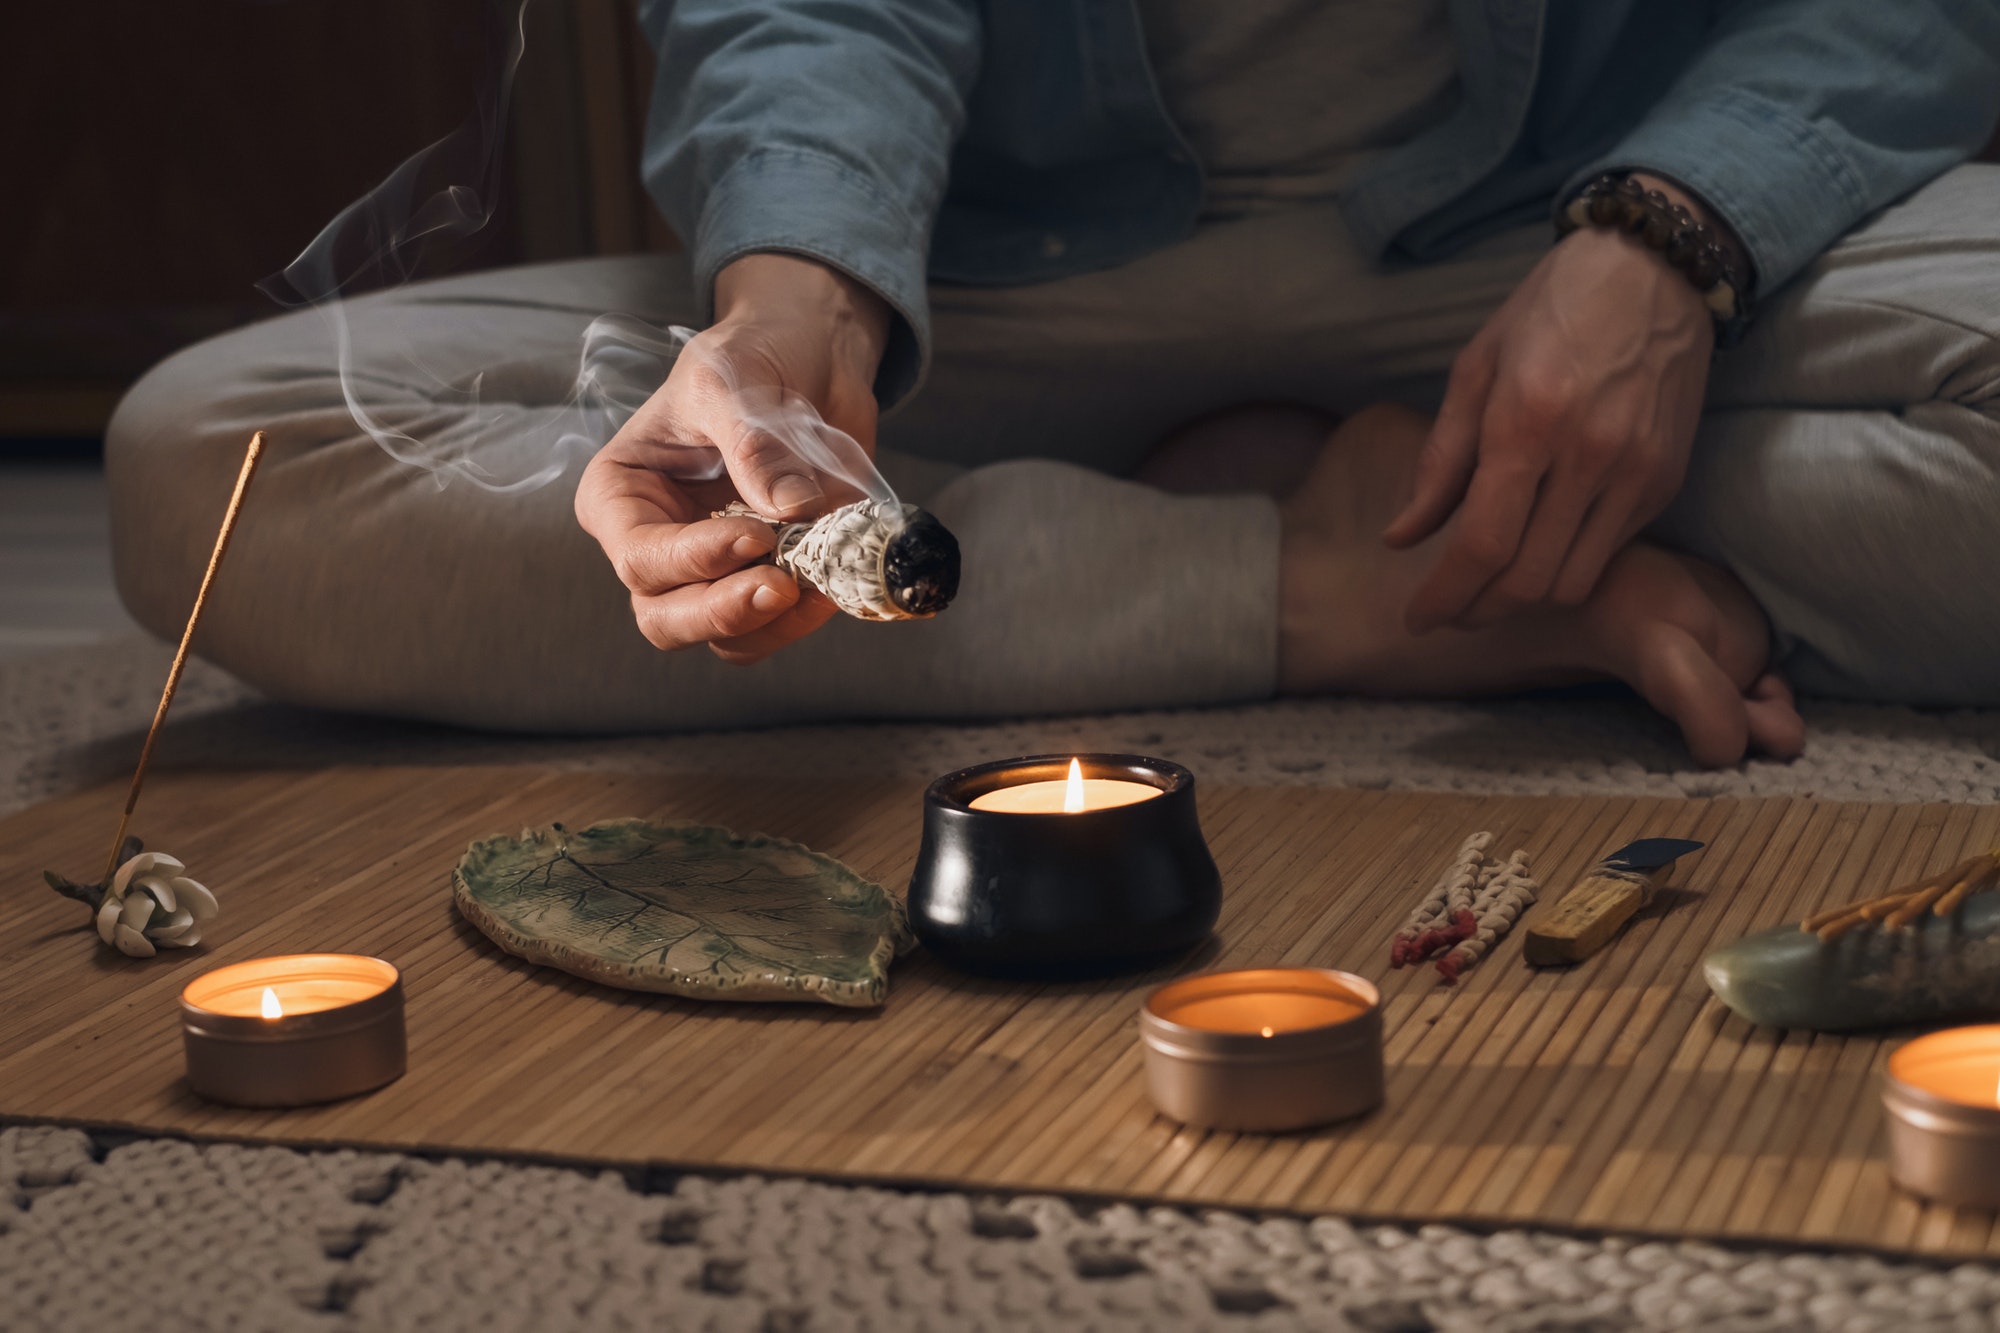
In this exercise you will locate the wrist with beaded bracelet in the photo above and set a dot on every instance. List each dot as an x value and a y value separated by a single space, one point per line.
1690 246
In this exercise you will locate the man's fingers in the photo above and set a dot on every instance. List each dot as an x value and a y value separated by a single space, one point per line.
1445 468
659 557
729 608
1484 536
1612 523
765 434
806 615
616 495
1562 508
743 618
770 475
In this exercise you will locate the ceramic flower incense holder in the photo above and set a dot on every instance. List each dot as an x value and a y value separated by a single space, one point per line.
146 906
685 909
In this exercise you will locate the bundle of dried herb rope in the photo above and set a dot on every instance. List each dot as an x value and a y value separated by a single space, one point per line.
1476 901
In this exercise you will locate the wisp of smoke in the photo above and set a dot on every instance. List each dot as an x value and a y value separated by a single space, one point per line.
438 197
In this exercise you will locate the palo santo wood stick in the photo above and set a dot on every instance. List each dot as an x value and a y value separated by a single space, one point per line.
1587 917
250 458
1597 907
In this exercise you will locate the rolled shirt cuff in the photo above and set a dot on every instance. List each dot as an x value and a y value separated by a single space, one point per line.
797 201
1780 184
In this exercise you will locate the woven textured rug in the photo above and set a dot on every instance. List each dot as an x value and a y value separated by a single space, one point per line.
106 1232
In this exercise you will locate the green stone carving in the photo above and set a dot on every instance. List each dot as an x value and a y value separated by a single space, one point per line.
1937 969
685 909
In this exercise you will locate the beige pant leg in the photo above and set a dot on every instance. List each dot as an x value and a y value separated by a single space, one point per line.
1278 306
1848 467
357 583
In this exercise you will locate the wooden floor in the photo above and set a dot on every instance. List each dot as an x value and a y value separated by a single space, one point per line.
1617 1095
55 558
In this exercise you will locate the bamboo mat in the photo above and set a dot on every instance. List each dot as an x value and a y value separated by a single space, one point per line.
1618 1095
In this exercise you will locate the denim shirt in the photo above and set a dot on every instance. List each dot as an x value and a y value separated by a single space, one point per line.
906 141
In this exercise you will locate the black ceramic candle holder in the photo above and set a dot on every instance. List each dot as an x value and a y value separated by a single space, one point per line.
1063 895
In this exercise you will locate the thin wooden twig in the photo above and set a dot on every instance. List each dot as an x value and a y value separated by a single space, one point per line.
250 457
1941 894
1832 924
1912 907
1972 883
1869 909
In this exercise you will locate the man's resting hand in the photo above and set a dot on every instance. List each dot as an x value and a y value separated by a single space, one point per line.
1565 430
783 324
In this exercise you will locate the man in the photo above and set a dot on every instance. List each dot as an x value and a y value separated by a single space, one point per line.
1082 225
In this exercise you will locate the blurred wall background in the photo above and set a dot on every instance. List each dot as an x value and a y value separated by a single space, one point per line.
158 159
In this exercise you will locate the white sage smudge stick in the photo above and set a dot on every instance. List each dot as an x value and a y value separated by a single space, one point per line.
874 559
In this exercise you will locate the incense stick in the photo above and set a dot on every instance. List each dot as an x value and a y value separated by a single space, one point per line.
250 457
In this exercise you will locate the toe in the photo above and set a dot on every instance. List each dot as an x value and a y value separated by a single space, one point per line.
1677 677
1775 725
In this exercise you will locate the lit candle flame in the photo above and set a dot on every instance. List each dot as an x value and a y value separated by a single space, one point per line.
272 1009
1073 795
1267 1032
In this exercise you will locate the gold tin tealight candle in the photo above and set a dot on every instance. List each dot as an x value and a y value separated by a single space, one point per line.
294 1030
1264 1049
1942 1093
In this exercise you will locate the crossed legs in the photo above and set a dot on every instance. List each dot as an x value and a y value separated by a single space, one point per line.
1846 477
1839 502
1683 633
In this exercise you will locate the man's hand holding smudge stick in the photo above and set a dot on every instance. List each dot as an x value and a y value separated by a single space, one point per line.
786 328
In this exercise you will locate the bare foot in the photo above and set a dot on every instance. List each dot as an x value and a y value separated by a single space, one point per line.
1268 447
1684 634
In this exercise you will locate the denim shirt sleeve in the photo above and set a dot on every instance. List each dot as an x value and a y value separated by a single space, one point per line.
1800 117
816 127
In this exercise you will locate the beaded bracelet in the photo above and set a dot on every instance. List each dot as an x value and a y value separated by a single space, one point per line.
1691 246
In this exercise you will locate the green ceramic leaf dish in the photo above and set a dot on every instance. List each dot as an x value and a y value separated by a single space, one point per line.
685 909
